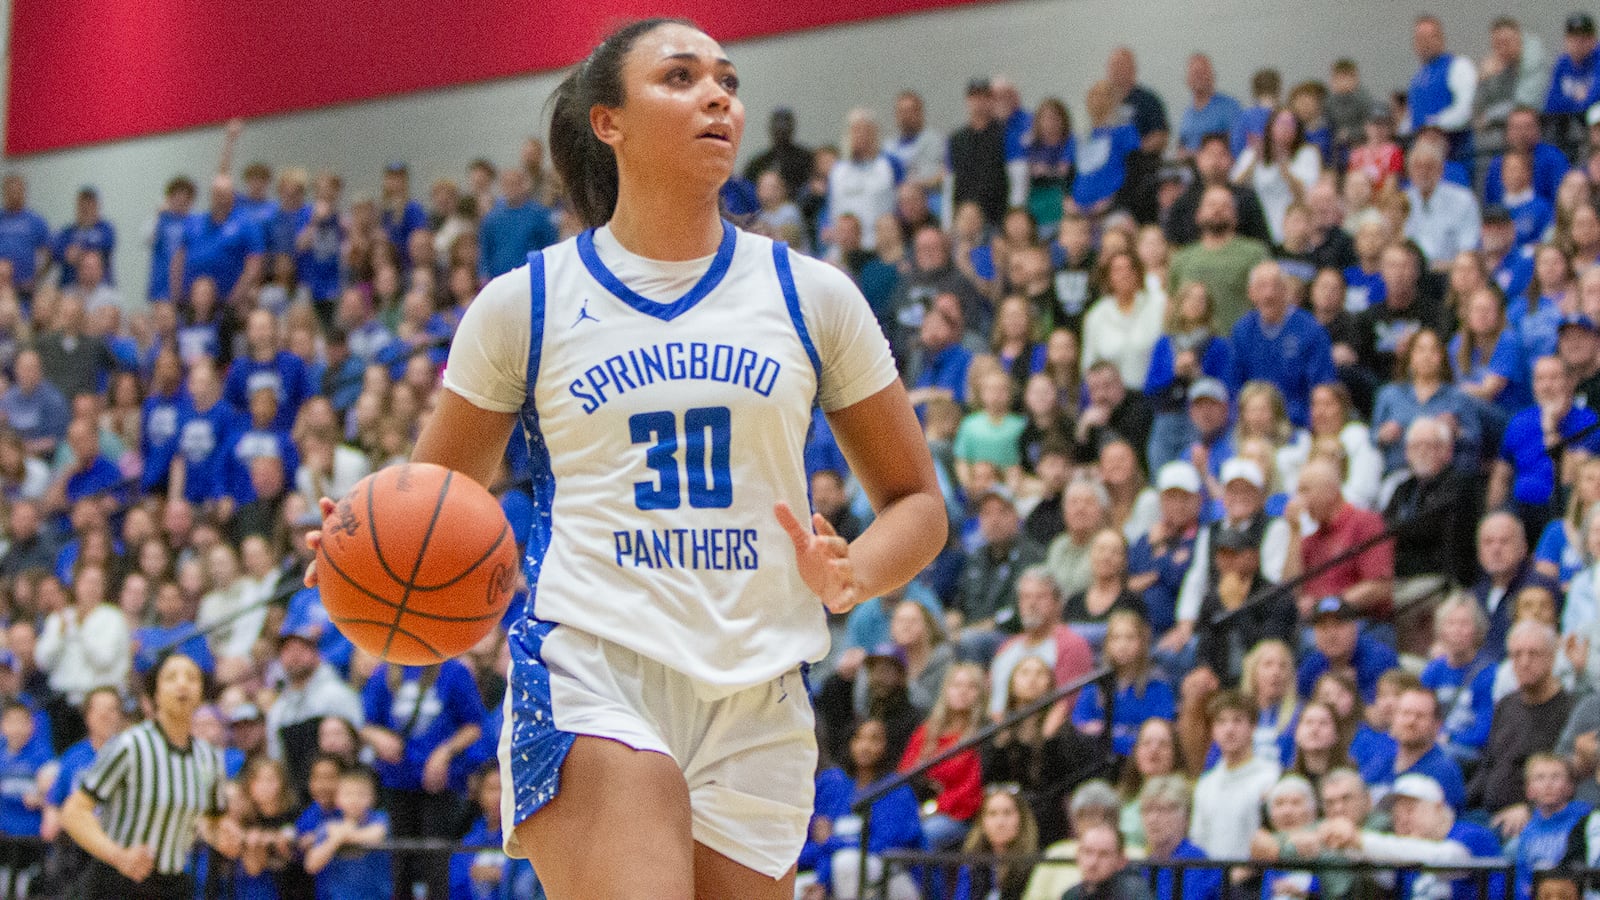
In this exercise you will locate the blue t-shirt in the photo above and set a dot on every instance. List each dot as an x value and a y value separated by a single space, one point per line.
1363 289
219 249
258 443
100 237
1436 765
1505 359
1467 708
1296 357
165 241
285 373
1534 475
1538 324
1132 709
41 414
191 643
451 703
18 773
947 369
1554 548
1171 564
1373 753
22 235
509 233
1252 123
1543 843
1102 163
318 264
355 874
1532 216
1198 884
158 439
895 822
398 228
1573 84
1371 659
203 441
513 872
1219 116
1514 271
1550 165
101 477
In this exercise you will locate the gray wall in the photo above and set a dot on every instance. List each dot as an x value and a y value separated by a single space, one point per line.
1048 46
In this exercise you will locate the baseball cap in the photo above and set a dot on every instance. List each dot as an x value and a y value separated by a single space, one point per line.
244 712
1333 608
1208 389
304 630
1241 469
397 166
1178 476
1577 320
1580 23
888 651
1417 786
1496 214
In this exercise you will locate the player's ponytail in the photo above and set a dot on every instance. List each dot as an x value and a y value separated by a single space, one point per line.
587 166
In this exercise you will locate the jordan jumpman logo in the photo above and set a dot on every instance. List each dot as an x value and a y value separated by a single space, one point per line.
584 314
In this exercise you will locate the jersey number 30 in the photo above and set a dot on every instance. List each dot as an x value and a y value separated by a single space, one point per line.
707 431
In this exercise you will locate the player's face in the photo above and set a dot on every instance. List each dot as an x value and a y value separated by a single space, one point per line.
681 113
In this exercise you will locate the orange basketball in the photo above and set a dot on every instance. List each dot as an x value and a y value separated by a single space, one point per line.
417 564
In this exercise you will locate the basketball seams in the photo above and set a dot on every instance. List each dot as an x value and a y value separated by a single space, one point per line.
372 595
377 549
429 588
422 550
345 620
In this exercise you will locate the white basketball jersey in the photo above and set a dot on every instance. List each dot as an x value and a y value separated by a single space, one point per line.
661 435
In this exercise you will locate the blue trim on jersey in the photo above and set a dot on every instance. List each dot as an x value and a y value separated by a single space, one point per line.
791 298
663 311
544 480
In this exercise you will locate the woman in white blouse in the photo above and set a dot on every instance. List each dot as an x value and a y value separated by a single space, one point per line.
1281 168
1124 325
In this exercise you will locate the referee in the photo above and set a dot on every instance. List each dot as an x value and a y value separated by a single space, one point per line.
156 786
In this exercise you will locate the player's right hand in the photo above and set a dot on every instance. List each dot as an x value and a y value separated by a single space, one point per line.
136 863
314 540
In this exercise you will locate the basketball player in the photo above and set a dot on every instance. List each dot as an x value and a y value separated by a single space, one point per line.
658 739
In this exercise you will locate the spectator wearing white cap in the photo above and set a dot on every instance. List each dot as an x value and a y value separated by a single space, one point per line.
1244 495
1161 556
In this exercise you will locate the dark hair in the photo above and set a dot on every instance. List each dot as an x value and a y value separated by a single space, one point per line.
1266 81
587 166
153 676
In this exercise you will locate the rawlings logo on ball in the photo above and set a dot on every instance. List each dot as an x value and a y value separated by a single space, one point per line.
347 523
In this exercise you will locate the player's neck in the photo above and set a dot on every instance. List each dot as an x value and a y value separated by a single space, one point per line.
666 225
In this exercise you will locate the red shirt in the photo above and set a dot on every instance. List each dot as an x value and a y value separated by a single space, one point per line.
960 778
1380 164
1348 527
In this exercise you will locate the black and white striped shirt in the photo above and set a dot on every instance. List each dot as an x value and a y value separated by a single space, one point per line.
151 793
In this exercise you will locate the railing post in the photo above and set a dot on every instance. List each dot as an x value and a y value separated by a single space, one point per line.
863 844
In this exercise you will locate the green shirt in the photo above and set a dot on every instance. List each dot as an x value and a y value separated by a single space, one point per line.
1224 271
981 439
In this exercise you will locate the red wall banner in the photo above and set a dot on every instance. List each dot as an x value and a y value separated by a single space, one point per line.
86 71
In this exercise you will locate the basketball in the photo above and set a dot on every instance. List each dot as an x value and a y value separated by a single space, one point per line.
417 564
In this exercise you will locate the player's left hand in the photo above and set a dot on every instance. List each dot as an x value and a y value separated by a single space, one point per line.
824 560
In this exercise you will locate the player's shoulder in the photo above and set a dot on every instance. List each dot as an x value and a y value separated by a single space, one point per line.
811 275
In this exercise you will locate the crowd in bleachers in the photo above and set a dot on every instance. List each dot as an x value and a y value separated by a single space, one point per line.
1166 360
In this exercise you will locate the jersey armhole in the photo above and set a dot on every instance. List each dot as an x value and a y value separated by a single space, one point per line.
791 299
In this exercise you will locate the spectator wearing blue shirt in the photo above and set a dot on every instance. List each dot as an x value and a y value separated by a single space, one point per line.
222 243
1163 805
510 231
103 720
253 202
172 626
1340 646
24 234
1280 344
939 361
1103 157
206 425
1487 360
88 473
835 827
1573 80
33 407
1415 729
1462 676
1210 112
1423 388
1552 814
341 857
1160 558
88 232
166 235
399 215
263 438
158 421
1140 693
319 239
1524 474
1531 214
1441 91
1549 165
489 874
265 365
418 720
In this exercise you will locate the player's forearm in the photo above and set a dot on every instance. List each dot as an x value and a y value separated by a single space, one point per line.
78 821
907 534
